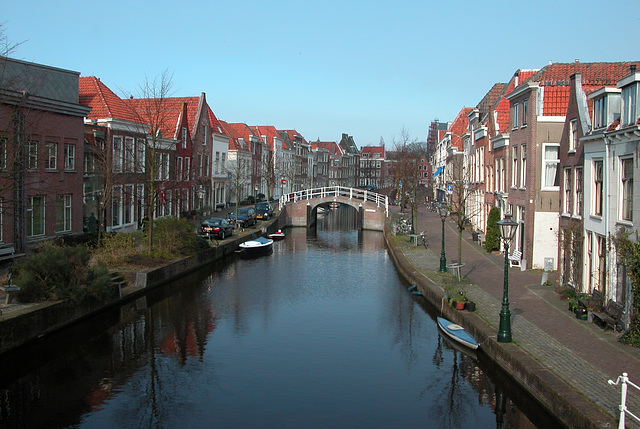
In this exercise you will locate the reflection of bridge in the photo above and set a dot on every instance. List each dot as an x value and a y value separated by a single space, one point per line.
301 207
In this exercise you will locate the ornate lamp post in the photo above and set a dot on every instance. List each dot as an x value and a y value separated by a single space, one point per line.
507 230
443 211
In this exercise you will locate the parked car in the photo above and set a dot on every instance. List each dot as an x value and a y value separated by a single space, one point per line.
246 217
217 228
264 211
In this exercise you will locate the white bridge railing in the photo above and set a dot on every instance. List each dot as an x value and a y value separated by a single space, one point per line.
623 399
337 191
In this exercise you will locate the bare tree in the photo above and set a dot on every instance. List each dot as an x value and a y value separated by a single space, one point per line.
407 153
151 110
462 205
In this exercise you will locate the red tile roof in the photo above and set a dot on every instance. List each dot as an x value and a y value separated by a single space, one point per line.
269 131
372 150
332 147
292 134
555 78
104 103
459 127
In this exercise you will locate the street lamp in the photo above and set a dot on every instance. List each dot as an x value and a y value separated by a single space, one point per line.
443 211
507 230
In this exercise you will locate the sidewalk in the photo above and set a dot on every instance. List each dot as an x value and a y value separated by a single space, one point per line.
579 353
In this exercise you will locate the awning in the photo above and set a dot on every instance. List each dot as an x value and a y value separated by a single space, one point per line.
438 171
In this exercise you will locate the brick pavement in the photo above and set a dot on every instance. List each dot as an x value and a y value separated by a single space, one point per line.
581 354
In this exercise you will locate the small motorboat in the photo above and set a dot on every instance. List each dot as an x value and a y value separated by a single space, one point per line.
457 333
258 246
278 235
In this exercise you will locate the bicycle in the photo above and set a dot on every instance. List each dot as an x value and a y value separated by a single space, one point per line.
423 239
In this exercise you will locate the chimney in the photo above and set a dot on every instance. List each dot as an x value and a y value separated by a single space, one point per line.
632 68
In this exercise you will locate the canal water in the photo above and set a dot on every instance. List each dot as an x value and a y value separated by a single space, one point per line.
320 334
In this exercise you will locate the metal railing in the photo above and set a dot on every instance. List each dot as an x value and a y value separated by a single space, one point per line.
337 191
623 399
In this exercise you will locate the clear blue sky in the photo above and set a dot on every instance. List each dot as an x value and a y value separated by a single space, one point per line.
366 68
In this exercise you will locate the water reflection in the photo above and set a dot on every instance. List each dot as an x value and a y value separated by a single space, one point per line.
320 333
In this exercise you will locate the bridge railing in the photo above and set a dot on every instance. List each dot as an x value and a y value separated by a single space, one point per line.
381 201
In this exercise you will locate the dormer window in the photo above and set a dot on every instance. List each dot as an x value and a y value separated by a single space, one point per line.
629 101
600 113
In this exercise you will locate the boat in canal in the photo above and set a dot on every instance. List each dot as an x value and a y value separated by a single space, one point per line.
278 235
257 246
457 333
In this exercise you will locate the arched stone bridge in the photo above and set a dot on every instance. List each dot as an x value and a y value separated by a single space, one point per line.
301 207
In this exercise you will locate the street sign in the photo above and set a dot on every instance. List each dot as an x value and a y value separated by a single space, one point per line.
400 184
229 176
450 188
284 181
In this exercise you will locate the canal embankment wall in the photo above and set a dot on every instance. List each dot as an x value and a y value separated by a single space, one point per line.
571 407
30 322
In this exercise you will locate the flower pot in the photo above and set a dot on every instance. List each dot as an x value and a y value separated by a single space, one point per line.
470 306
580 312
460 305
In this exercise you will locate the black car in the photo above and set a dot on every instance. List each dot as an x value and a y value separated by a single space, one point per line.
217 228
246 217
264 211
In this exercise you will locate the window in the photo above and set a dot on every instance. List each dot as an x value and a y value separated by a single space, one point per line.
116 206
514 169
514 116
206 165
140 156
32 154
52 156
629 95
597 189
127 212
187 168
179 169
63 213
523 167
568 192
626 172
184 138
3 153
602 268
35 216
590 260
524 112
117 154
579 194
69 157
222 164
550 167
217 163
599 112
205 131
162 163
573 135
200 165
129 154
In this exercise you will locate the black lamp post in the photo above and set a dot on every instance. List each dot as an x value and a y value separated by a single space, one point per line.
507 230
443 211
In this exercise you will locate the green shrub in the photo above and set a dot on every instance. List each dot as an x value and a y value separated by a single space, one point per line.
61 272
492 237
174 238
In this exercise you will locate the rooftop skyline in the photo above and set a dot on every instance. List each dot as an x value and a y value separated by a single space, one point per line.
361 68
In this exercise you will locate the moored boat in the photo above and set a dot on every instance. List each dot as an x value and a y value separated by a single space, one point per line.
278 235
258 246
457 333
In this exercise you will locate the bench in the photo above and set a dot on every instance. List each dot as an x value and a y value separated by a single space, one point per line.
514 258
610 316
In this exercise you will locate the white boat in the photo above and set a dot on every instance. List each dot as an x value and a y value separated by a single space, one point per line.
257 246
457 333
278 235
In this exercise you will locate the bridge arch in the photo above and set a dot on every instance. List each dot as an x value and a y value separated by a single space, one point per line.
372 208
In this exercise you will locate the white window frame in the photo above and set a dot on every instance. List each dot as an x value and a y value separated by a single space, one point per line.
117 154
626 190
578 197
548 162
630 100
63 213
597 207
52 156
129 155
523 166
69 156
184 137
600 112
32 155
567 195
32 214
140 155
573 135
515 118
524 112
